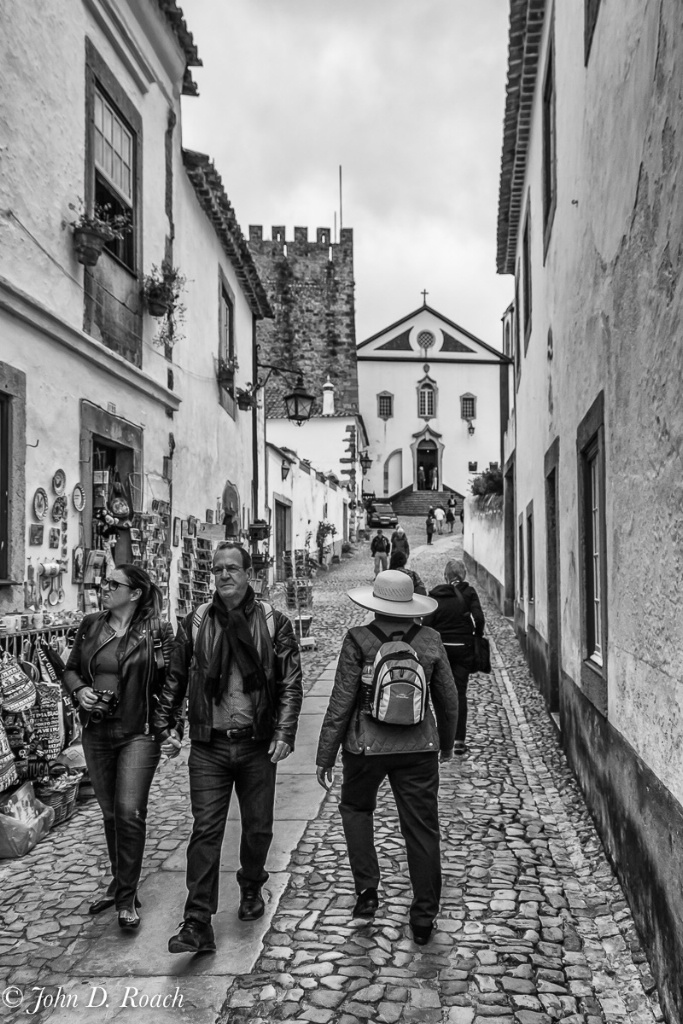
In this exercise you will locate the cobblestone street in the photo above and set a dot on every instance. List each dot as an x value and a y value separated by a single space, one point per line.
533 926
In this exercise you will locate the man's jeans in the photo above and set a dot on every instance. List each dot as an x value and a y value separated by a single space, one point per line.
414 781
215 768
381 561
121 767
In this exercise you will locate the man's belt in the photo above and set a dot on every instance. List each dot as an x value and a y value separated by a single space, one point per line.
235 734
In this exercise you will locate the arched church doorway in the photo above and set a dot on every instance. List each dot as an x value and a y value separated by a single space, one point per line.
427 466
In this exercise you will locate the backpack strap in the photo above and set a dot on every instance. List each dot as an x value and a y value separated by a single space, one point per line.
377 632
410 635
270 618
406 637
197 620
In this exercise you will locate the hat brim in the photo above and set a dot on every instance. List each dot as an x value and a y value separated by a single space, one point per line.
419 605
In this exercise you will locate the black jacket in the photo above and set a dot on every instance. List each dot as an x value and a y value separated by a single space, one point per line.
276 706
380 544
139 681
459 615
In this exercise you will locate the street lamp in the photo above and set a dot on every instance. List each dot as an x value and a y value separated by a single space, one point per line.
365 461
285 468
470 428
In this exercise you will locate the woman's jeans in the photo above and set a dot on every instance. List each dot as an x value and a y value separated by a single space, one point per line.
461 675
414 781
216 768
121 767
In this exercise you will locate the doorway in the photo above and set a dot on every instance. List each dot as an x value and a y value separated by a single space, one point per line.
427 466
282 518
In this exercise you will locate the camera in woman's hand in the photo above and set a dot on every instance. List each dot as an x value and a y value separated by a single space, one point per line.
105 706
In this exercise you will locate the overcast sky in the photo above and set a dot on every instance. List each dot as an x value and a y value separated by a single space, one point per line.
407 95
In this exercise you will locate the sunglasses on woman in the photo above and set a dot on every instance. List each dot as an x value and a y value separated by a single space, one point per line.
114 585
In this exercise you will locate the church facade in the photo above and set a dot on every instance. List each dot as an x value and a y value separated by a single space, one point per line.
432 397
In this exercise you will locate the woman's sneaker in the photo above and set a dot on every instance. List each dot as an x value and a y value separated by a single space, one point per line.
459 747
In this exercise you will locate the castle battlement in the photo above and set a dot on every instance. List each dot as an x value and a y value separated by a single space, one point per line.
301 243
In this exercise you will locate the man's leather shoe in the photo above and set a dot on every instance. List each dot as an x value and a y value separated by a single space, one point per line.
366 904
194 937
105 903
422 933
251 903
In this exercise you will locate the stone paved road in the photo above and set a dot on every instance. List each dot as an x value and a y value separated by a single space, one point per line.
533 928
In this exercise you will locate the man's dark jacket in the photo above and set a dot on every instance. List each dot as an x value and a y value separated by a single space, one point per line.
458 607
276 705
380 544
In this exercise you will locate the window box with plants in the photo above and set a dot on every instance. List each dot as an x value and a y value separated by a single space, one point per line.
225 371
92 231
244 400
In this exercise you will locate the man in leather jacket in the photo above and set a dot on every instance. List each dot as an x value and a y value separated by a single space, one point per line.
238 662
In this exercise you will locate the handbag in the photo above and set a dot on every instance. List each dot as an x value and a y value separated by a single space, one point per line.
482 654
17 690
8 769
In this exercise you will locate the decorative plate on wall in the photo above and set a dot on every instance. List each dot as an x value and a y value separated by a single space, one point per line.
78 498
40 503
59 482
59 509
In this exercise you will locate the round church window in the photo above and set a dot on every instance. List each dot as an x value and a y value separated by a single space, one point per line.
425 339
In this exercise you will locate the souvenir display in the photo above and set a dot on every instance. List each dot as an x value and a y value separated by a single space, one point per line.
59 482
194 573
59 509
40 504
78 498
17 691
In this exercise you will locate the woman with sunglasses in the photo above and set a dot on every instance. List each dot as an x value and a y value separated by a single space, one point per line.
114 672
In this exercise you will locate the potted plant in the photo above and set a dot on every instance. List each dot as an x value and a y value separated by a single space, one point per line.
244 400
225 372
162 288
92 231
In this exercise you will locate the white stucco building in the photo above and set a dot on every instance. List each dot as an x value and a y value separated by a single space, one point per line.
431 396
92 112
589 223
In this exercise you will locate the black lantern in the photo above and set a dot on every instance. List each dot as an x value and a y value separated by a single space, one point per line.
365 462
285 468
299 403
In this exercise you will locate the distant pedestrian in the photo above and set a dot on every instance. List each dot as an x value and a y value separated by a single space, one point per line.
450 519
434 478
462 517
430 524
421 478
399 542
458 618
406 754
440 516
379 550
452 503
398 561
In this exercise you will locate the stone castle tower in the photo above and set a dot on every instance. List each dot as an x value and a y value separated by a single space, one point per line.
310 288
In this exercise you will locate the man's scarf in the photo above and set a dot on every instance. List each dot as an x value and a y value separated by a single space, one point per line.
234 642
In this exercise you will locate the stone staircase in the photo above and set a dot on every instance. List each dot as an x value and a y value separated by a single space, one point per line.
417 503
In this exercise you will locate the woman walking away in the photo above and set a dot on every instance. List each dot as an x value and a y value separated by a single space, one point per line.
114 672
398 561
458 619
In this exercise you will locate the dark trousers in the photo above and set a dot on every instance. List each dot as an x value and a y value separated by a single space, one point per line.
461 676
215 768
414 781
121 767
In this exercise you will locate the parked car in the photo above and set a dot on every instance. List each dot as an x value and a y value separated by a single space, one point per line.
382 516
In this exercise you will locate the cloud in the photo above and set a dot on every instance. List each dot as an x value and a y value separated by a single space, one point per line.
407 95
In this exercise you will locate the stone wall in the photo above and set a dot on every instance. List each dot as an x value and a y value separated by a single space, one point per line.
310 287
482 545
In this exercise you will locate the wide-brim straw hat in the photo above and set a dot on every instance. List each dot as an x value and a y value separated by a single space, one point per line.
392 594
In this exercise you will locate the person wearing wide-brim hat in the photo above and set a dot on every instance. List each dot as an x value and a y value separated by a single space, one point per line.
408 755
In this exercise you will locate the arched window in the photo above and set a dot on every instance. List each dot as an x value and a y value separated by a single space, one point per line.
426 400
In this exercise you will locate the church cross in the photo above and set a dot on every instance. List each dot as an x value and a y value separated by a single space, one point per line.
425 293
